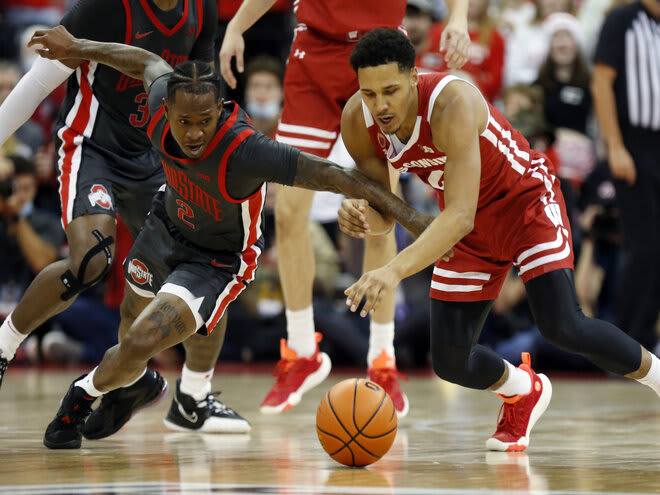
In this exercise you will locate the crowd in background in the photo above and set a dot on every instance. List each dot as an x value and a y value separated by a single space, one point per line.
533 60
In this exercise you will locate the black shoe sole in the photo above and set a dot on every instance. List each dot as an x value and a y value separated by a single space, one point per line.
151 402
73 444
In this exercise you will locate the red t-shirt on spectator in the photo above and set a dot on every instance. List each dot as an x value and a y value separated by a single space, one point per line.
485 64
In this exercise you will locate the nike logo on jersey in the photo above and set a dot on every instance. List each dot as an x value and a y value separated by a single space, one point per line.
142 35
220 265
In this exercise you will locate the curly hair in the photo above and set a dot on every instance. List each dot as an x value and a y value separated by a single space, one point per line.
383 46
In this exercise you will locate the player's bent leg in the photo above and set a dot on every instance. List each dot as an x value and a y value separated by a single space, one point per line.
302 366
558 315
91 243
201 411
455 330
165 322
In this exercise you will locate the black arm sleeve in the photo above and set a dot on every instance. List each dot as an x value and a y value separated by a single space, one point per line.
203 48
259 159
611 40
98 21
157 91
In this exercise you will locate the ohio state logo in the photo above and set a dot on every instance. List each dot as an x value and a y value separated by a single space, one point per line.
99 196
140 273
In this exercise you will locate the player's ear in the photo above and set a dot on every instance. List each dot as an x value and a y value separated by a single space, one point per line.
414 76
221 102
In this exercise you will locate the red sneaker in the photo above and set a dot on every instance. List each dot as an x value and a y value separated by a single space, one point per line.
295 376
383 372
519 413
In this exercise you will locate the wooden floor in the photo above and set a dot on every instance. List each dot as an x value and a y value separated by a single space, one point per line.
598 436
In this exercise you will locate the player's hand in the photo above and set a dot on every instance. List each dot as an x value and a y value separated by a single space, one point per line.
455 44
372 285
54 44
233 45
622 165
352 217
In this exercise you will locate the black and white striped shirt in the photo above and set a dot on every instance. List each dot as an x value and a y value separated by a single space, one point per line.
629 42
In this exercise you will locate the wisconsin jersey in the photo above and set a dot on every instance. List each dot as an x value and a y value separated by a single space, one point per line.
216 202
342 17
520 216
109 109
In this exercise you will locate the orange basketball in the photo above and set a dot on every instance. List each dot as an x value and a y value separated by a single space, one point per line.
356 422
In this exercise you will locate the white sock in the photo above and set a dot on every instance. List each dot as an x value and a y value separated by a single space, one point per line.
518 382
652 378
87 384
10 338
136 380
197 384
300 331
381 338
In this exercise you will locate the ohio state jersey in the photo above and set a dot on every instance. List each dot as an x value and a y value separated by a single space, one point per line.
505 153
342 17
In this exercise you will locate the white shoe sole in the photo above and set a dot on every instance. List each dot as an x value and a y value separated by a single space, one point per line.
537 412
310 382
214 425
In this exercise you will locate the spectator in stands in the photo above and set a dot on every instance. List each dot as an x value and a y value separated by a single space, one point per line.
264 93
486 61
30 239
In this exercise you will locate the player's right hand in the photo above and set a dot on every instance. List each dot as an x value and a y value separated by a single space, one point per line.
233 45
352 217
54 44
622 165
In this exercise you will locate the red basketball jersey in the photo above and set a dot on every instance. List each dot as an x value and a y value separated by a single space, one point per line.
341 17
505 153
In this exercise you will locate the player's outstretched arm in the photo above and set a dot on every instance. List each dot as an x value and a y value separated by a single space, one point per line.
233 44
455 39
59 44
322 175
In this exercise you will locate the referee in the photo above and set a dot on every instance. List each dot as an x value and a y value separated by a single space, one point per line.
626 91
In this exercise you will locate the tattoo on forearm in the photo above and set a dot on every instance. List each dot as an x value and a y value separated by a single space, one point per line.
127 59
165 319
321 175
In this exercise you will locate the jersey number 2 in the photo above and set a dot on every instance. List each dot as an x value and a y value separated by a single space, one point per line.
141 117
185 211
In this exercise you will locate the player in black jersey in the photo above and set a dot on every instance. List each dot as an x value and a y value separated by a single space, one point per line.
201 241
107 165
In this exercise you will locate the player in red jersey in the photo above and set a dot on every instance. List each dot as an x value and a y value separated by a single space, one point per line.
501 207
318 82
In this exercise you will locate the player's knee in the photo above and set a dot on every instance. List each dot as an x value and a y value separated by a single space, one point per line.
290 217
451 369
88 263
138 345
562 330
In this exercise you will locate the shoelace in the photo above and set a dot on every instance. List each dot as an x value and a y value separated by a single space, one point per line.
215 404
387 375
282 369
506 416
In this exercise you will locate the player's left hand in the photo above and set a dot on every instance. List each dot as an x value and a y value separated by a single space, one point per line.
373 285
352 217
54 44
455 43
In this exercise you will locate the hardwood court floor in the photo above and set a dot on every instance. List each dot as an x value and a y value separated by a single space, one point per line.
598 436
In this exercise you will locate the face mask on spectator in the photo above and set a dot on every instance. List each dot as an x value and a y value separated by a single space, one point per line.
267 110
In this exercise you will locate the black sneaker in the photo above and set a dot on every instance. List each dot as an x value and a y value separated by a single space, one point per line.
4 364
207 416
118 406
65 431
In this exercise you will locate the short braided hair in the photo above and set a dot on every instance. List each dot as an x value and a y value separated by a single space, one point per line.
193 76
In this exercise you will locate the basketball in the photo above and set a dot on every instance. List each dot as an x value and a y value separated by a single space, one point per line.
356 422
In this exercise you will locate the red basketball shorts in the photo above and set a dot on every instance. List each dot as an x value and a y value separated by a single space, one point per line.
527 229
319 81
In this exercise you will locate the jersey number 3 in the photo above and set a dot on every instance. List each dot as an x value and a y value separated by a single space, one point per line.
141 117
185 211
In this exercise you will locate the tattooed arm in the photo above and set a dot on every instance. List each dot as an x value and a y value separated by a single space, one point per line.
322 175
58 43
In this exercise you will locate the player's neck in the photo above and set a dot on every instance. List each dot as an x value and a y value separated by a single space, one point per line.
405 131
165 5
